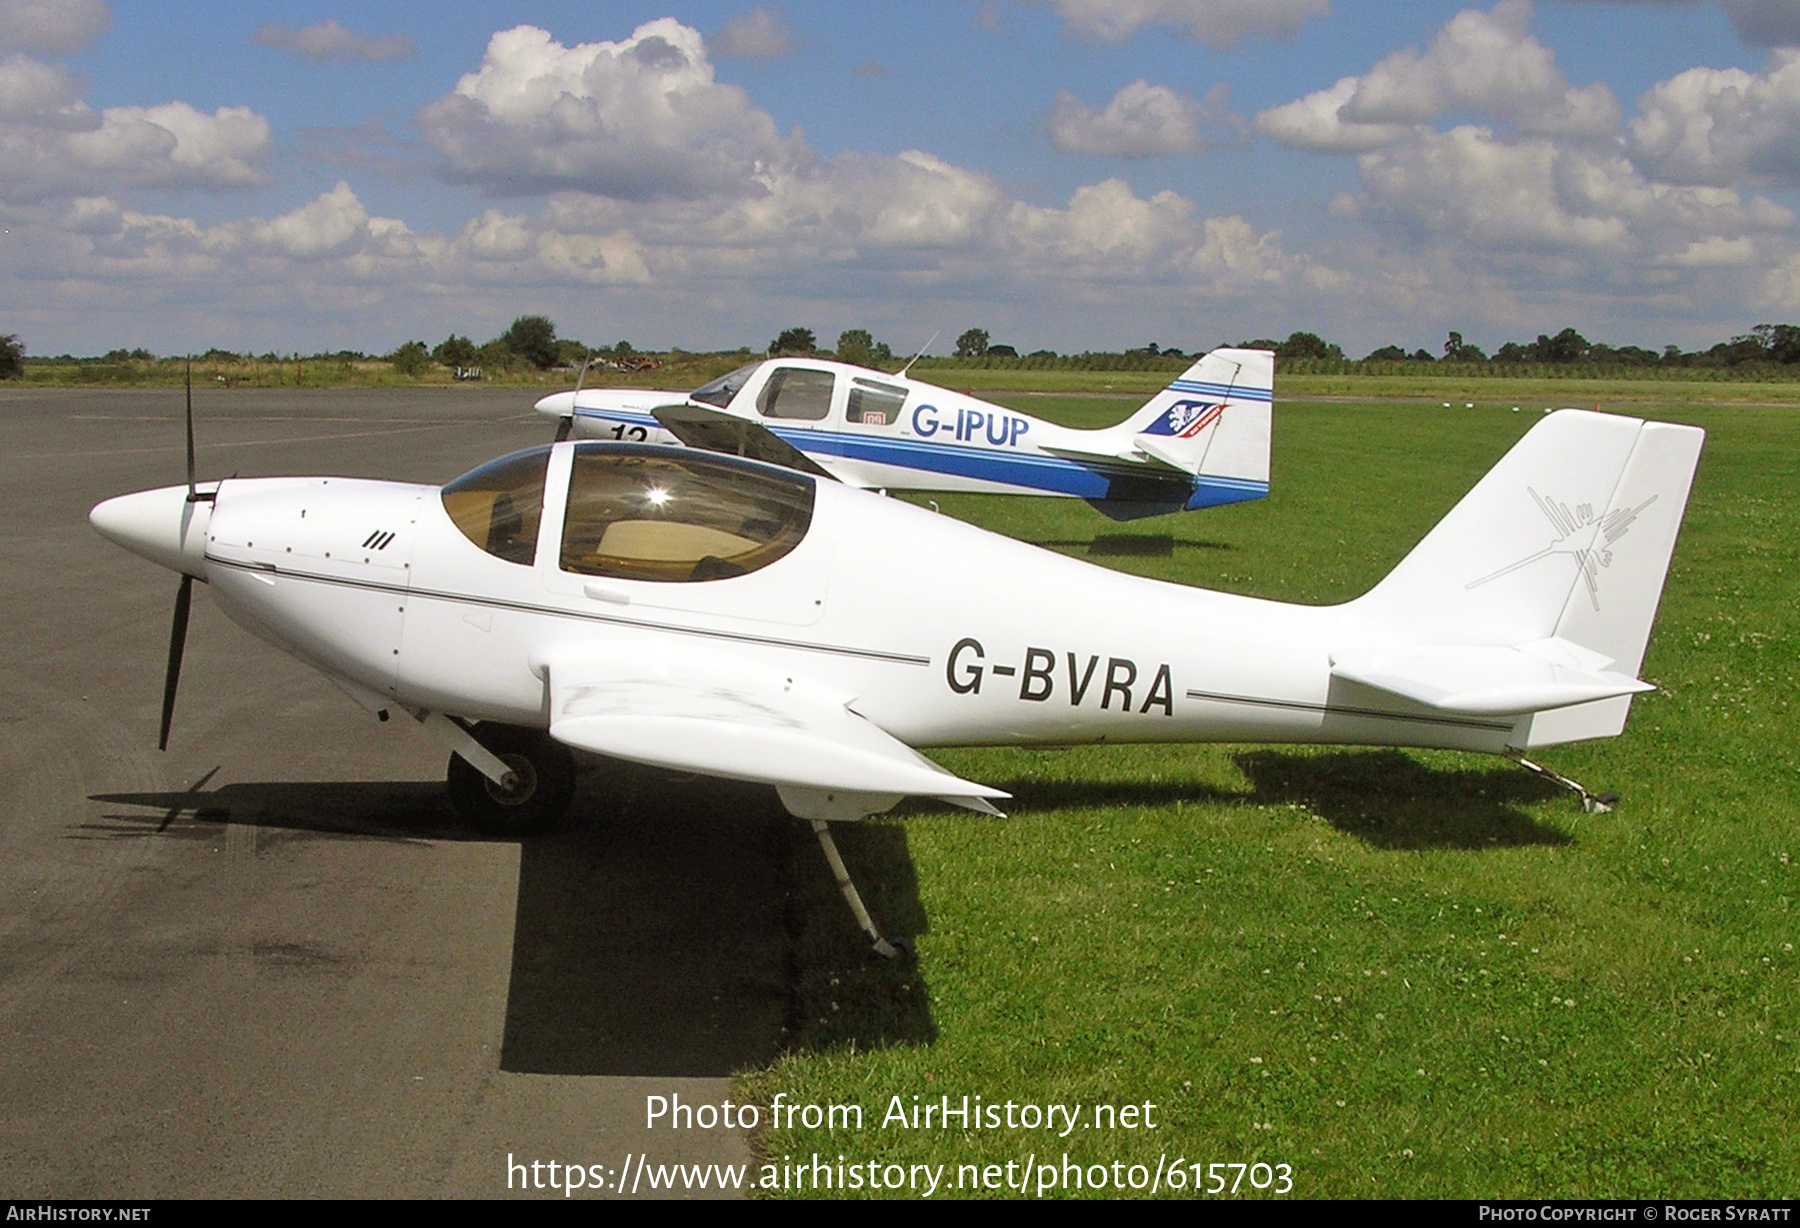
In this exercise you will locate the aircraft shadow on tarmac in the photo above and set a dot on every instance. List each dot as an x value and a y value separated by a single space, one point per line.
682 928
690 927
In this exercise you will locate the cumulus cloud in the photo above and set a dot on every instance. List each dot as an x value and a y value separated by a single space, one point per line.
328 40
334 239
52 26
1109 234
1316 123
1552 192
1106 222
927 202
1723 126
1494 196
175 145
1485 62
638 119
656 179
1467 185
1141 121
1217 23
925 223
757 35
53 144
37 93
330 225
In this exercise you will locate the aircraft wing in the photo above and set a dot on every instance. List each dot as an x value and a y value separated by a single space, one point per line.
1534 677
721 715
701 426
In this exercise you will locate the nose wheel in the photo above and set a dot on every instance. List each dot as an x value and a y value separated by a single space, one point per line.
535 792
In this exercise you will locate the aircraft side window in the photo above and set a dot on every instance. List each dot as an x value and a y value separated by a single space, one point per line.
677 518
795 392
874 404
499 505
722 391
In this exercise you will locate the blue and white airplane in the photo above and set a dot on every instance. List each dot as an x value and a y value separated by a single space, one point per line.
1200 442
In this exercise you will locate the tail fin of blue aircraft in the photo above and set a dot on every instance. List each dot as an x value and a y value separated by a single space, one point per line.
1212 422
1534 597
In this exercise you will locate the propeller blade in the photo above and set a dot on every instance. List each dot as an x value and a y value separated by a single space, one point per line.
184 597
190 429
565 425
194 495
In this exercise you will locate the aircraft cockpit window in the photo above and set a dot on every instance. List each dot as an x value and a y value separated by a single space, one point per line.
796 392
874 404
498 506
679 518
722 391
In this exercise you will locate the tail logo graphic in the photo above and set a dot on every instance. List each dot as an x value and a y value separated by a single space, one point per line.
1186 419
1567 521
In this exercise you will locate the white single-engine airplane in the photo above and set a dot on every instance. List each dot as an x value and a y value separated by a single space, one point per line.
1200 442
710 614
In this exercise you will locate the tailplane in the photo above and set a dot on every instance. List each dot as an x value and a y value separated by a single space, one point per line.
1534 596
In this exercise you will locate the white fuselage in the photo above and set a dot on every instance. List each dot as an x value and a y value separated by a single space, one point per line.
944 634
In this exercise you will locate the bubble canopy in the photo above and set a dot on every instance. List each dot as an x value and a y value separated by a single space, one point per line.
636 513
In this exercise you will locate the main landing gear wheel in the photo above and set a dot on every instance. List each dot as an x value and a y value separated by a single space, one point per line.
533 801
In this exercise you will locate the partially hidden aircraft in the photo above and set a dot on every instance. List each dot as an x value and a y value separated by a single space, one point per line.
1200 442
715 615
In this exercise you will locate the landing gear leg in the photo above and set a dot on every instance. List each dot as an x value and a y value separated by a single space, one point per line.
506 780
1593 803
883 948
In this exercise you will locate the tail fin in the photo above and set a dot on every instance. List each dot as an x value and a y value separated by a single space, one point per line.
1213 421
1535 595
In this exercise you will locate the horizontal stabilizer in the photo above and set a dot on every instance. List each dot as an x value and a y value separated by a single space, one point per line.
1487 681
1093 456
1160 450
729 717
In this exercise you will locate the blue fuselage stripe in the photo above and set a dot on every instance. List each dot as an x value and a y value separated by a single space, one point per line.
1031 471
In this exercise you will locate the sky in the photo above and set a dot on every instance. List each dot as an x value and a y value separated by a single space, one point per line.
1066 174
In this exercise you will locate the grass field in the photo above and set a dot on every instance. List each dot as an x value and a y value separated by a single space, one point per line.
1401 974
681 372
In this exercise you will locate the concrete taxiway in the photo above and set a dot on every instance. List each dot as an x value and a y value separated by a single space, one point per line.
271 962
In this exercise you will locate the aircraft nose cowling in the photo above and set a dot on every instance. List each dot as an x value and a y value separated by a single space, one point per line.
160 525
557 405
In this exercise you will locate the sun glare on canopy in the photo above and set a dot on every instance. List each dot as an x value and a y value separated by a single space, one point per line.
669 516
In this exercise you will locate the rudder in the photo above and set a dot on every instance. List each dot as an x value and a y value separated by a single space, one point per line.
1213 421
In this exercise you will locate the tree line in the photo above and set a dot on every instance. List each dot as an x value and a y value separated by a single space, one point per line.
1764 344
531 343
